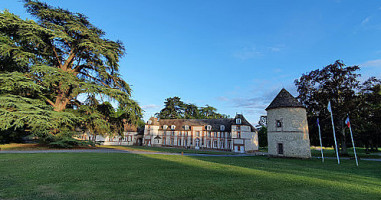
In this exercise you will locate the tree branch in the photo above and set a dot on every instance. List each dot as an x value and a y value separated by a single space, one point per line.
96 79
69 60
50 102
55 53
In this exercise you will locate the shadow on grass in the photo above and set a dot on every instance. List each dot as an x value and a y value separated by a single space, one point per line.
130 176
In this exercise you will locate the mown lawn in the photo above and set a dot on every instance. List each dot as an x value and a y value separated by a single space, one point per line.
32 147
22 147
129 176
330 152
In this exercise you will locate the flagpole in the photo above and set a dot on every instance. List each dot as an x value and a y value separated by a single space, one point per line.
353 143
321 144
334 135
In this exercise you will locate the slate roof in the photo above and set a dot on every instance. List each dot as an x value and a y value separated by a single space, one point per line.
215 123
285 100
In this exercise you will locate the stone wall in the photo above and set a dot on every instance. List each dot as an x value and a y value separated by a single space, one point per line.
292 134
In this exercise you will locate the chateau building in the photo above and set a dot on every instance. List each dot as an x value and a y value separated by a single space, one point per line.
232 134
287 128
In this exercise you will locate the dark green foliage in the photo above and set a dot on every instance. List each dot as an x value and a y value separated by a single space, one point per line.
22 108
45 64
69 142
63 52
262 136
366 119
340 85
174 108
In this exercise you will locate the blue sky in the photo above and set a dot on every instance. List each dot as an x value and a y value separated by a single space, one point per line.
233 55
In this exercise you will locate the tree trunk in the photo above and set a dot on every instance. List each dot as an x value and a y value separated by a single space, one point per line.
344 149
60 103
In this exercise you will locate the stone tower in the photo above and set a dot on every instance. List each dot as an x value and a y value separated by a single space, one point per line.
287 128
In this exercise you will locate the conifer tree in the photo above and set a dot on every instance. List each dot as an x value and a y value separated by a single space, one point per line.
63 52
45 64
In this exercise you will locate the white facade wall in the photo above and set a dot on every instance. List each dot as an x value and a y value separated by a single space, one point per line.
247 140
128 139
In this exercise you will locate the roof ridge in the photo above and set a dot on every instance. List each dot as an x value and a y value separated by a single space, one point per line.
283 100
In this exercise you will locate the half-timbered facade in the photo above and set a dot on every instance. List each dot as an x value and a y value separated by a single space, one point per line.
232 134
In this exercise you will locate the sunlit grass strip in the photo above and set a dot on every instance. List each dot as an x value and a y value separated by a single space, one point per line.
22 147
372 186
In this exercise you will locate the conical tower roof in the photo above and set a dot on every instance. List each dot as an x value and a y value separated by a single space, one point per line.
284 100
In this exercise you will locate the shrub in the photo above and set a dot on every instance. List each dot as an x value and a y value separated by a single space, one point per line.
68 142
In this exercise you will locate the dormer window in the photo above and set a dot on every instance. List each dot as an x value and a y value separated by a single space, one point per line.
208 127
165 127
222 127
186 127
173 127
149 122
238 121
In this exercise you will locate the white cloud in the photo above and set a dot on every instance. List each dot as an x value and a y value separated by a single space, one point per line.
221 98
274 49
365 21
150 106
371 63
247 53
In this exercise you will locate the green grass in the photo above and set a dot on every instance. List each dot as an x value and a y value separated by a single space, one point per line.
31 147
129 176
330 152
167 150
22 147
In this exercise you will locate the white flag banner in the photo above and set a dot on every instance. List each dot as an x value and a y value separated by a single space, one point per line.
334 134
329 107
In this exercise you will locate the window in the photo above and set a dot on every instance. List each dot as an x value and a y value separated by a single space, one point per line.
180 133
222 134
186 127
238 121
278 123
280 148
173 133
198 133
209 127
165 127
173 127
149 122
215 144
208 134
222 127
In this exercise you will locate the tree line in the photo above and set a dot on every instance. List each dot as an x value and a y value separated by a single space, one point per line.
349 97
174 108
361 101
48 64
